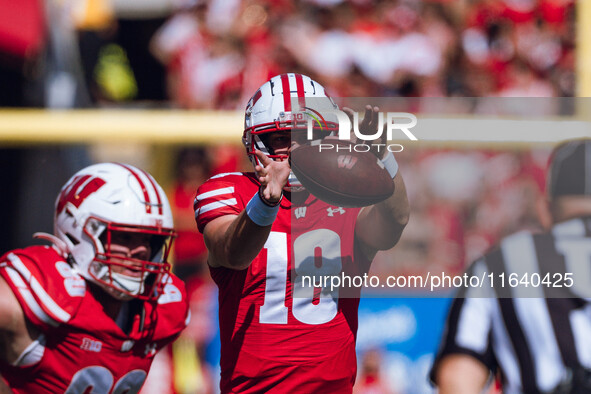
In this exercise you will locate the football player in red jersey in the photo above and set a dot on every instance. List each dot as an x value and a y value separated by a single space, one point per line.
276 334
88 313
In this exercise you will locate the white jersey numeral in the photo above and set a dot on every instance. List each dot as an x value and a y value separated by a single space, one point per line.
305 310
99 380
273 310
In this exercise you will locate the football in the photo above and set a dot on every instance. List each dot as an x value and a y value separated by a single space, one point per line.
334 172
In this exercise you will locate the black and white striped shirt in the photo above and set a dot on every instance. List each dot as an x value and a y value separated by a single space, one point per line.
537 335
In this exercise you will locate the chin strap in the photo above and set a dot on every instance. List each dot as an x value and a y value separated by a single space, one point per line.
59 245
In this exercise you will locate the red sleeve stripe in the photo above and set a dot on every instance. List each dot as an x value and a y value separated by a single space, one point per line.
215 205
28 297
39 292
225 174
216 192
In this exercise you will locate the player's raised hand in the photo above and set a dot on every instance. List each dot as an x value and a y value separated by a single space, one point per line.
272 175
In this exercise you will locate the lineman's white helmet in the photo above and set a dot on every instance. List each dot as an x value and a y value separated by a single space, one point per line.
109 197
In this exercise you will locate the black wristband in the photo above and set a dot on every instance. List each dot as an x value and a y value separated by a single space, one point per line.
266 202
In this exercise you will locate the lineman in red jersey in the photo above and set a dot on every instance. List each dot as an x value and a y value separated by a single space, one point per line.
89 313
277 335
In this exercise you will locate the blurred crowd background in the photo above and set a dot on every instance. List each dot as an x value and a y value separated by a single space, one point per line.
214 54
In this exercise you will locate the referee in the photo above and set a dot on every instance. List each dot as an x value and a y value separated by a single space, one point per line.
530 325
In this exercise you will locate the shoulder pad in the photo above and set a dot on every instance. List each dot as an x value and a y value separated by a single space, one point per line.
172 307
47 288
219 196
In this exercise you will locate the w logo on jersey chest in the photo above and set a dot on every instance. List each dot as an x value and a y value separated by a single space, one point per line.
300 212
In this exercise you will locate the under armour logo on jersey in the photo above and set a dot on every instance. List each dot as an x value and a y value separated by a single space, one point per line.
90 345
332 211
150 349
346 161
300 212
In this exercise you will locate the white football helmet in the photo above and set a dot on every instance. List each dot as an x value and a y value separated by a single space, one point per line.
109 197
286 103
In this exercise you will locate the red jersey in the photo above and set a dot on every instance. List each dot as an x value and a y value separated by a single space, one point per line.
278 333
80 348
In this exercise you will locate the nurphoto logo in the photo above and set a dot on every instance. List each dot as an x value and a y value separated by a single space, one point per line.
396 122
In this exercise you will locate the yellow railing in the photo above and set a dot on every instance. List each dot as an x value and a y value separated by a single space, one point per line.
129 127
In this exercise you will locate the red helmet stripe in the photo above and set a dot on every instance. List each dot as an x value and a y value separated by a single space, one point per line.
300 91
286 92
155 190
256 97
142 186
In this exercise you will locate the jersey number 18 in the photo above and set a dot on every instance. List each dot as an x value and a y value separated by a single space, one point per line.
308 307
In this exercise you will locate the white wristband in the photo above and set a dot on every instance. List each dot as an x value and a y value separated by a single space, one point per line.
261 213
391 164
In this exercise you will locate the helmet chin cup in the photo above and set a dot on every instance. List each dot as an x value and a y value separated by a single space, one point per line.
121 287
134 286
